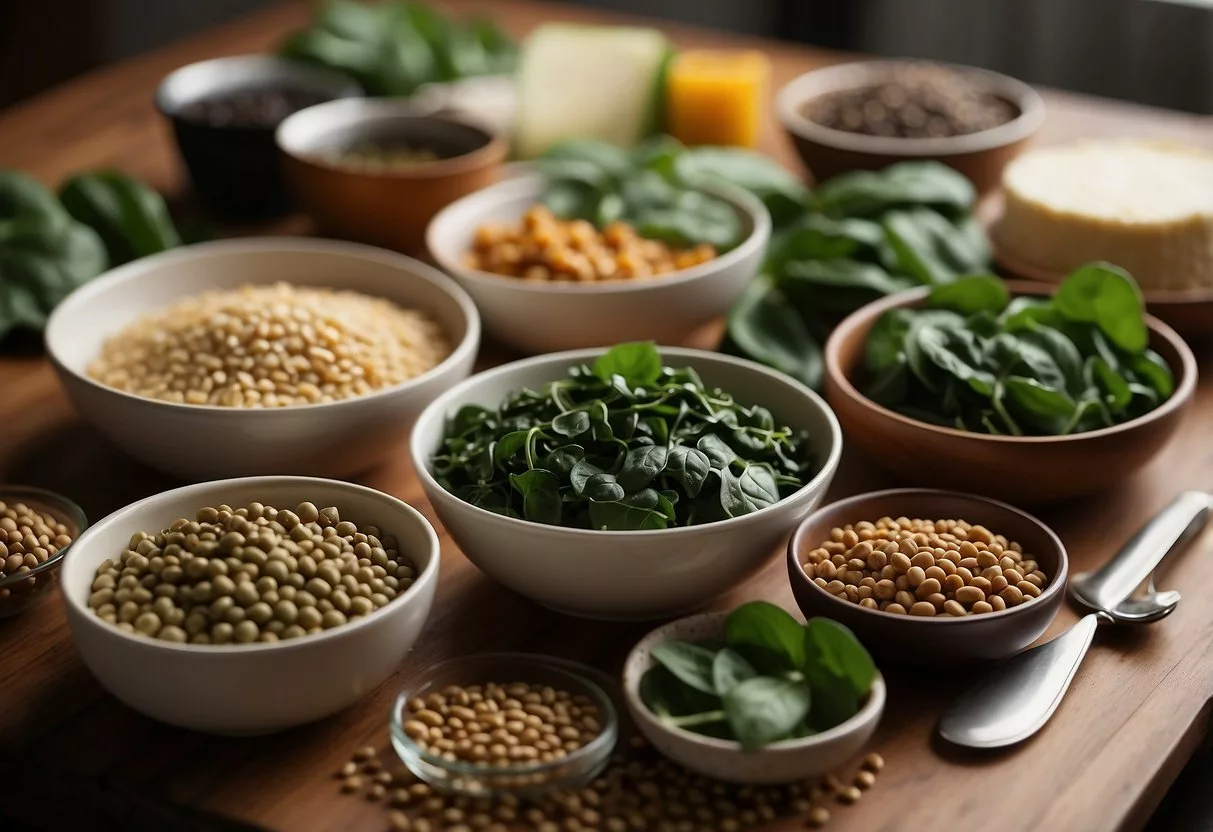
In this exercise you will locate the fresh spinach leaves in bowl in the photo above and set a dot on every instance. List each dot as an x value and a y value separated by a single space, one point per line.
663 189
771 678
858 237
626 444
975 359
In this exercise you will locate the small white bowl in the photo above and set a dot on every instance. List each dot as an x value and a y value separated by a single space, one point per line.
208 442
545 317
780 762
261 687
629 575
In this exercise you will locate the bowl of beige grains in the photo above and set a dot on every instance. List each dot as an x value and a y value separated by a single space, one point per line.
930 577
271 355
247 606
36 529
505 723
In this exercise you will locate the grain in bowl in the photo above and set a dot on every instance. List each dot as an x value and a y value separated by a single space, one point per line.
269 346
545 248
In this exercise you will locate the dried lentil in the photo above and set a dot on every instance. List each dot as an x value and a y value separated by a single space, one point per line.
933 567
543 248
237 576
270 346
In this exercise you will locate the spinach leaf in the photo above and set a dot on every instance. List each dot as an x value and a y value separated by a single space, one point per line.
1108 297
762 710
764 327
729 669
641 466
771 629
970 295
751 490
690 467
866 193
131 218
691 663
540 495
638 363
779 190
666 695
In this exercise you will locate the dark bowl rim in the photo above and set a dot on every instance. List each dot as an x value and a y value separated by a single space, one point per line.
337 85
1057 582
492 150
1185 387
57 505
791 98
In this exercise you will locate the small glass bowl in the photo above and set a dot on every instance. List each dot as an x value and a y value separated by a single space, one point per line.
526 779
21 591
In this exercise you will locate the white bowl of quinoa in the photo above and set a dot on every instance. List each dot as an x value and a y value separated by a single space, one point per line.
268 355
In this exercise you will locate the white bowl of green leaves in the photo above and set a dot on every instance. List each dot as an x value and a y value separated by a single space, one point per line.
753 695
628 484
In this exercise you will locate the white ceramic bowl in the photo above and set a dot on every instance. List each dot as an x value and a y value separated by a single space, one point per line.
780 762
252 688
629 575
546 317
208 442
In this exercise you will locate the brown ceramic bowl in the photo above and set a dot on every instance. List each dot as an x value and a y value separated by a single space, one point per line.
384 207
979 156
1020 469
939 640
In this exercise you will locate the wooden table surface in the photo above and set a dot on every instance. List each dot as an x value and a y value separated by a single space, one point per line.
1134 714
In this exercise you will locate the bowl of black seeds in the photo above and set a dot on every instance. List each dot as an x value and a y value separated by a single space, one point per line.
868 115
223 114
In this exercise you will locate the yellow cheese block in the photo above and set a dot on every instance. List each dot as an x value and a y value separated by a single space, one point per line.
1146 207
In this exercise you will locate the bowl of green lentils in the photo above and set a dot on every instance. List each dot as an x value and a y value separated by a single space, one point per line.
250 605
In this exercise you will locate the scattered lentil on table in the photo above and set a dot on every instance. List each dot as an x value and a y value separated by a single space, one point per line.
543 248
256 573
639 791
925 567
919 101
270 346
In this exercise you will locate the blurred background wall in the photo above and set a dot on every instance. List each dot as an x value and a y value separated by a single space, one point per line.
1151 51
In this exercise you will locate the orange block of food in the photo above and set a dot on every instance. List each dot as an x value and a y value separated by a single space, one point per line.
717 97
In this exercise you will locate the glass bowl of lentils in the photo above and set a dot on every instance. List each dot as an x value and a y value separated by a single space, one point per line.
870 114
36 529
498 723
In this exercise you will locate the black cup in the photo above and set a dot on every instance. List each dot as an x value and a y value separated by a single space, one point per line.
236 168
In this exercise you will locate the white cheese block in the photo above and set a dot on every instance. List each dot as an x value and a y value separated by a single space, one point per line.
1146 207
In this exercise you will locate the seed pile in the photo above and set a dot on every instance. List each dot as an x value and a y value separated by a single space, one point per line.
925 567
257 573
256 107
377 158
920 101
28 538
503 724
270 346
544 248
638 792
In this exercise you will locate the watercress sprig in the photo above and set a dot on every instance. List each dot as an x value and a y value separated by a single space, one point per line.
771 678
624 444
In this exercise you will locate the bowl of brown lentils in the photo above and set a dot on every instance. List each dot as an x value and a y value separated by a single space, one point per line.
929 577
36 529
262 603
505 723
869 115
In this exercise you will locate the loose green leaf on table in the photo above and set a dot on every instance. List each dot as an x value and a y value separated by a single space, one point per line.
130 217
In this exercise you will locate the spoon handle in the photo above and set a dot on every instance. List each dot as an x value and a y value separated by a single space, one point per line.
1117 579
1015 700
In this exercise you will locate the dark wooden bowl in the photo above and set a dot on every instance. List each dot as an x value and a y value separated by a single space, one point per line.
1019 469
979 156
941 640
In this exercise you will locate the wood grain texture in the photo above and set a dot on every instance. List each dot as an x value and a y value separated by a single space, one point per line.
1135 712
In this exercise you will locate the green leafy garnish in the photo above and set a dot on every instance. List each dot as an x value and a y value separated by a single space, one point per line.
976 360
626 444
771 679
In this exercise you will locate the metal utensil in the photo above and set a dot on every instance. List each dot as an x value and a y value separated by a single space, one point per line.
1015 700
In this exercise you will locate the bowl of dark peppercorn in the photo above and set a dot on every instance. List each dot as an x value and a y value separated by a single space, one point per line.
869 115
224 113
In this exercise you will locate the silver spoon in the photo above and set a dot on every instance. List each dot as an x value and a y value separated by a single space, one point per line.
1016 699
